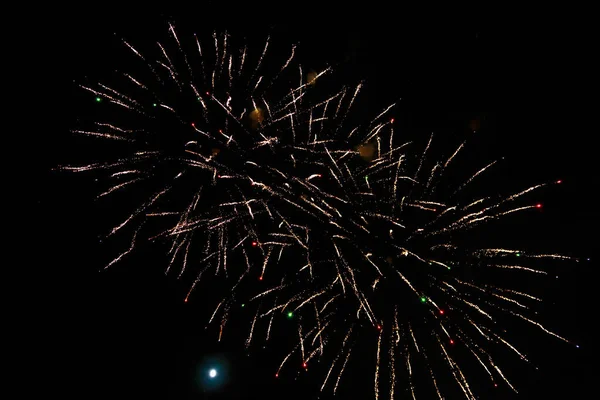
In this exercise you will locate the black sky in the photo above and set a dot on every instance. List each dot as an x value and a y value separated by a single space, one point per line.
127 333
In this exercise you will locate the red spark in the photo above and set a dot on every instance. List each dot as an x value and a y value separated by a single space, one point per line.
451 341
254 244
441 312
538 205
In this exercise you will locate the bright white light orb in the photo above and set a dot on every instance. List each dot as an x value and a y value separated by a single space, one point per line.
212 373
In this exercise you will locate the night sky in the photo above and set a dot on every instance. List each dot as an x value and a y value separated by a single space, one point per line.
127 332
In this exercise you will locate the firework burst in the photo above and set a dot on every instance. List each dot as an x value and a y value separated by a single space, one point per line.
252 172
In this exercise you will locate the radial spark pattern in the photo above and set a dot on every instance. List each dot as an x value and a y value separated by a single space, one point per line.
256 178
